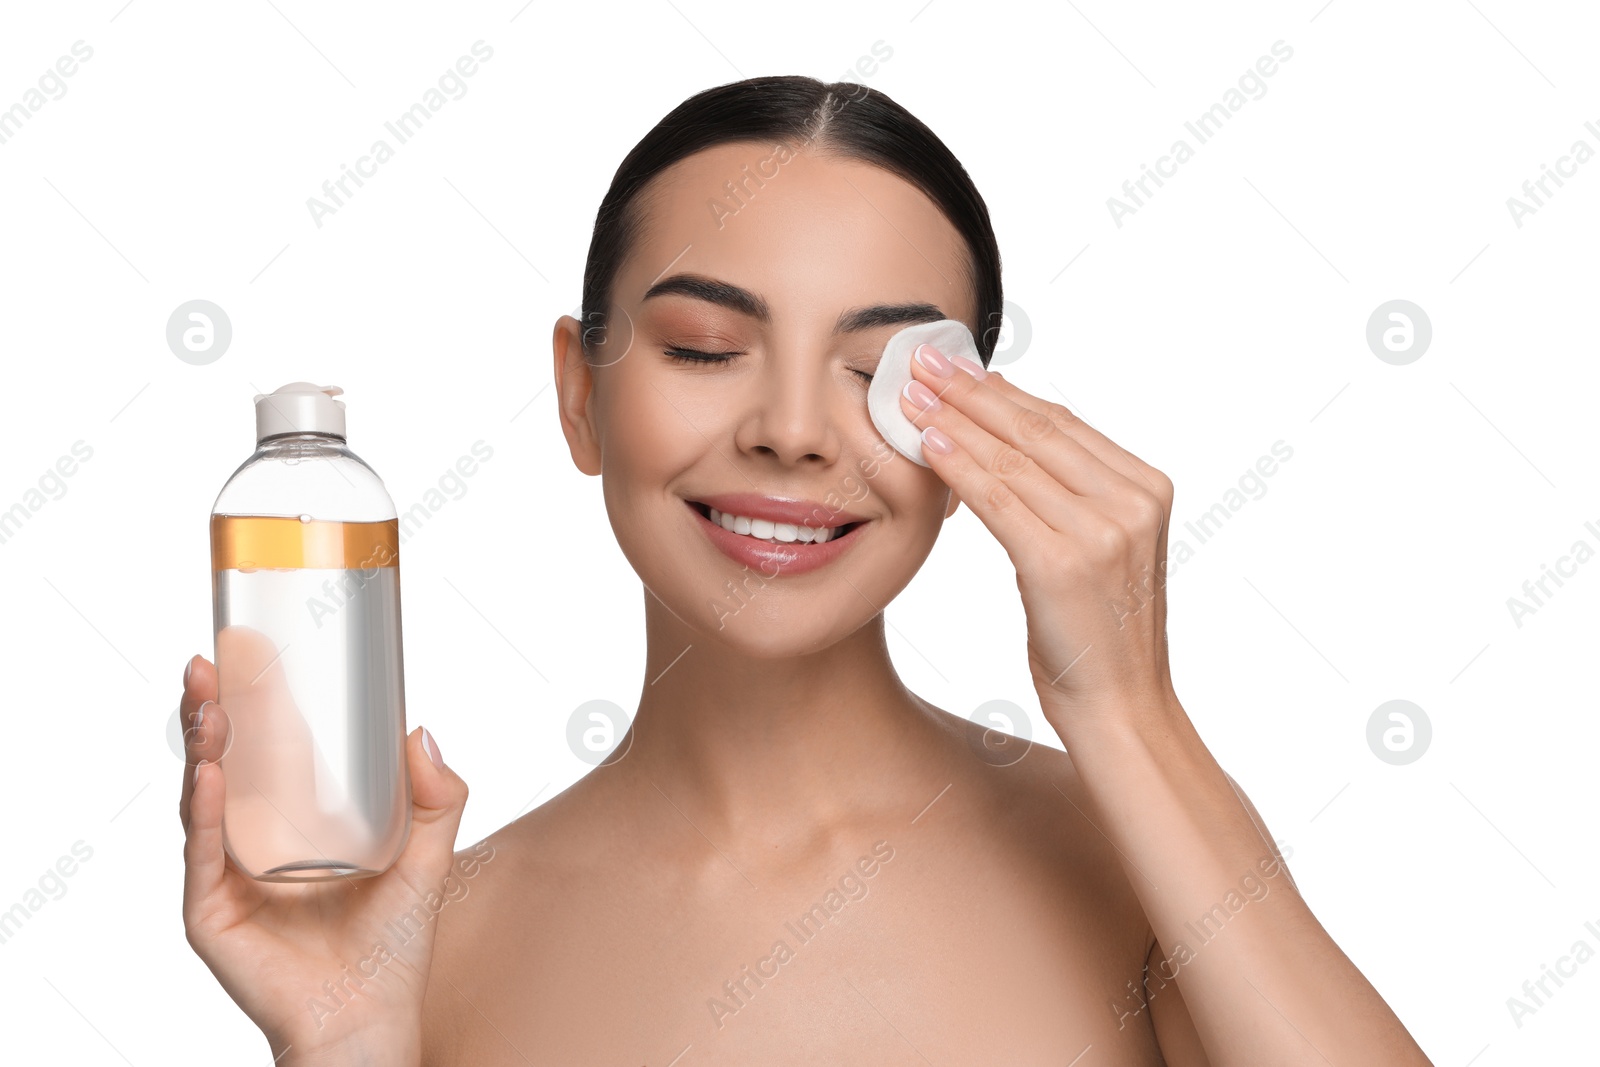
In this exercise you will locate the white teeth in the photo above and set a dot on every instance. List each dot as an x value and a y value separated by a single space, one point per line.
767 530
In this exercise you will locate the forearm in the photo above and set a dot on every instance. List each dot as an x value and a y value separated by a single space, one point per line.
1263 981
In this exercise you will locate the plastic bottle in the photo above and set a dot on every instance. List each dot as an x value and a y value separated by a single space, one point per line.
306 598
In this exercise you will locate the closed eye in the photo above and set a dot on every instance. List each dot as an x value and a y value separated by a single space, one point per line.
695 355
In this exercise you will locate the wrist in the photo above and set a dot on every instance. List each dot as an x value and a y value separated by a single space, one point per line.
352 1050
1121 716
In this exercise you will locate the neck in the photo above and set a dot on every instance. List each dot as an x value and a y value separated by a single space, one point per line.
777 748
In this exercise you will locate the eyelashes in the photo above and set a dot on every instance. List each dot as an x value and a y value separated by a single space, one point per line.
694 355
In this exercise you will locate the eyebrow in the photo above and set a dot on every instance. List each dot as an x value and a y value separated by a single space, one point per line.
736 298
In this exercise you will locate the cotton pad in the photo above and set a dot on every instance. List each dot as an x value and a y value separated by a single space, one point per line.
952 338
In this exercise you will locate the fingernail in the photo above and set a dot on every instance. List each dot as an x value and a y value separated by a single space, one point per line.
197 767
934 360
921 396
936 442
188 670
431 749
974 369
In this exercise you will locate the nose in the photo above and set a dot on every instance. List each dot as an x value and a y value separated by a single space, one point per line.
791 410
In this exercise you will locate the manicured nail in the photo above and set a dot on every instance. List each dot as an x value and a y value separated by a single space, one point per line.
974 369
197 767
188 670
934 360
431 749
921 396
936 442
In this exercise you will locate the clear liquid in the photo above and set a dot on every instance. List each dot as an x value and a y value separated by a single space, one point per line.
310 677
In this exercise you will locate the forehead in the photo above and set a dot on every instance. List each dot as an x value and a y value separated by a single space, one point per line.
810 232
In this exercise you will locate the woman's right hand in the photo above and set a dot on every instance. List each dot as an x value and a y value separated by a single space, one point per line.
273 945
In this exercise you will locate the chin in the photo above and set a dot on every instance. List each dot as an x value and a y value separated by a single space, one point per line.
781 638
774 625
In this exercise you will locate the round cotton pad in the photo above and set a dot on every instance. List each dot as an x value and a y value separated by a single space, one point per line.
950 337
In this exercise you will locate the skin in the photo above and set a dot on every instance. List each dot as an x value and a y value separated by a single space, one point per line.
773 755
1015 897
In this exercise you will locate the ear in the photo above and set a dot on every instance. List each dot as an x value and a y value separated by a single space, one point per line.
574 390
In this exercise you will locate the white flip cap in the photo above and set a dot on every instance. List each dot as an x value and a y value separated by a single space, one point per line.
299 407
952 338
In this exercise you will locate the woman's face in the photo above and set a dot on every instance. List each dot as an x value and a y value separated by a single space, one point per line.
803 276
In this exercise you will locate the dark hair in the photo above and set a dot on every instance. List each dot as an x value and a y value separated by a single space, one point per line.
845 118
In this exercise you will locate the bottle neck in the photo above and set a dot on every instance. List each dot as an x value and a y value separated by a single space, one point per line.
301 437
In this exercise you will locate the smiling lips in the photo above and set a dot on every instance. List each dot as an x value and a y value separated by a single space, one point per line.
774 535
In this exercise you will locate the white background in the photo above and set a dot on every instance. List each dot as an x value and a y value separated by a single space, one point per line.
1227 314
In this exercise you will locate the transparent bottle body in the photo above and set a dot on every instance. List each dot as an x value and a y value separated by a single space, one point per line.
306 607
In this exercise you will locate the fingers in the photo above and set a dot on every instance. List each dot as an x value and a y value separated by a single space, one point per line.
199 684
990 473
994 461
205 861
1106 450
205 726
1017 527
438 799
1017 441
200 803
1023 427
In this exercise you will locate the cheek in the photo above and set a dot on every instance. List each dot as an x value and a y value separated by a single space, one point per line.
912 494
649 431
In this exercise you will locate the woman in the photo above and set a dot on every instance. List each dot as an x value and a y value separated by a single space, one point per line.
794 858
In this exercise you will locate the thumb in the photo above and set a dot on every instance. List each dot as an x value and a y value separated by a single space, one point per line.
438 798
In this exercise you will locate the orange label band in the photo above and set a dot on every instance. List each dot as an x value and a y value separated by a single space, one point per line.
259 542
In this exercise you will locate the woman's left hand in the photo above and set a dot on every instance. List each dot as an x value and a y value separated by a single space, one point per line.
1085 525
